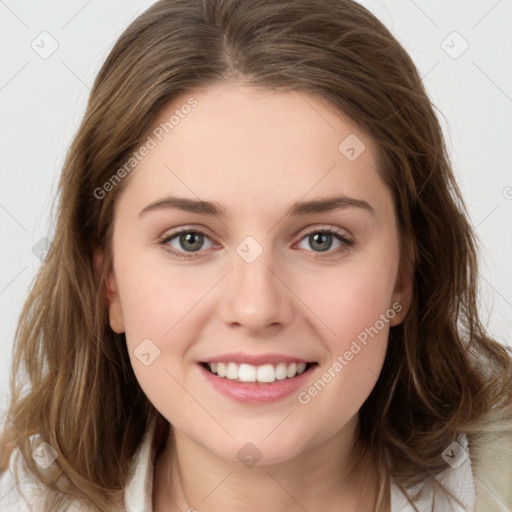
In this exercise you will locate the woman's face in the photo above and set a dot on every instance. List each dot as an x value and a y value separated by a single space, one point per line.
296 260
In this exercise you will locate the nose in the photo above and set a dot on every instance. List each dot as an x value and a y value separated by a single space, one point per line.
256 296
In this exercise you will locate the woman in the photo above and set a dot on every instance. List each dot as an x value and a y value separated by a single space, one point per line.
261 292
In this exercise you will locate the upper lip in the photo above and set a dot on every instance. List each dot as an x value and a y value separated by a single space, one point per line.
255 359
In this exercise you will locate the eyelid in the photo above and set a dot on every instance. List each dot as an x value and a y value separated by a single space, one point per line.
313 228
187 228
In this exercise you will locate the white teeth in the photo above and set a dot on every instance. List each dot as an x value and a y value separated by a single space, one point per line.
245 373
264 373
281 370
221 369
232 371
292 370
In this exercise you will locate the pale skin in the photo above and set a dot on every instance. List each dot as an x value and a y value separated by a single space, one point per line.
255 152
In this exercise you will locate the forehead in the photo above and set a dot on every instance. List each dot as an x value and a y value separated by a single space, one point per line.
247 147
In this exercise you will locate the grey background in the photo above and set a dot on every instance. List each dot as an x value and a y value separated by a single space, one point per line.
42 101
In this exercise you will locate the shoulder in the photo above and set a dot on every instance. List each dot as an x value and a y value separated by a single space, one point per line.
479 471
21 491
491 449
453 489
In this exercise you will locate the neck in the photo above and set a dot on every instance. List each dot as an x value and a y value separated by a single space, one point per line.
336 474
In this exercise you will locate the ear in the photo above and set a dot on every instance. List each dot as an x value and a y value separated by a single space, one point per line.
111 292
404 285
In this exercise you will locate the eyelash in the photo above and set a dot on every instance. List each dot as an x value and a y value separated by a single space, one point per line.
346 242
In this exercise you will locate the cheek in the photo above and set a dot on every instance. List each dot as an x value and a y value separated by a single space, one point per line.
160 308
351 298
355 315
156 300
352 309
156 309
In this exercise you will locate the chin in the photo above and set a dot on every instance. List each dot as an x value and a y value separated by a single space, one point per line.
256 450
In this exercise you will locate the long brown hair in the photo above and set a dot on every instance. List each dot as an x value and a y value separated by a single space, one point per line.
72 382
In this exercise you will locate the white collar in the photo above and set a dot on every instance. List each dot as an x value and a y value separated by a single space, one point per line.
457 478
138 494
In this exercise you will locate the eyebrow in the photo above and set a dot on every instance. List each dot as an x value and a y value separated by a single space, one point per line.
298 208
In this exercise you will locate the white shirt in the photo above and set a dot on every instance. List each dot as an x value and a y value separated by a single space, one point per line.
458 478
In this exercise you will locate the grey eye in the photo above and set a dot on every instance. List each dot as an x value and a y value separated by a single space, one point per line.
188 241
320 241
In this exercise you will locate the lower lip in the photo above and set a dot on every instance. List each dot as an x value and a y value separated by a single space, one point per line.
255 393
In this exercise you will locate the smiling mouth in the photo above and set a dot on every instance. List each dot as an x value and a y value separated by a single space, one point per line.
263 374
